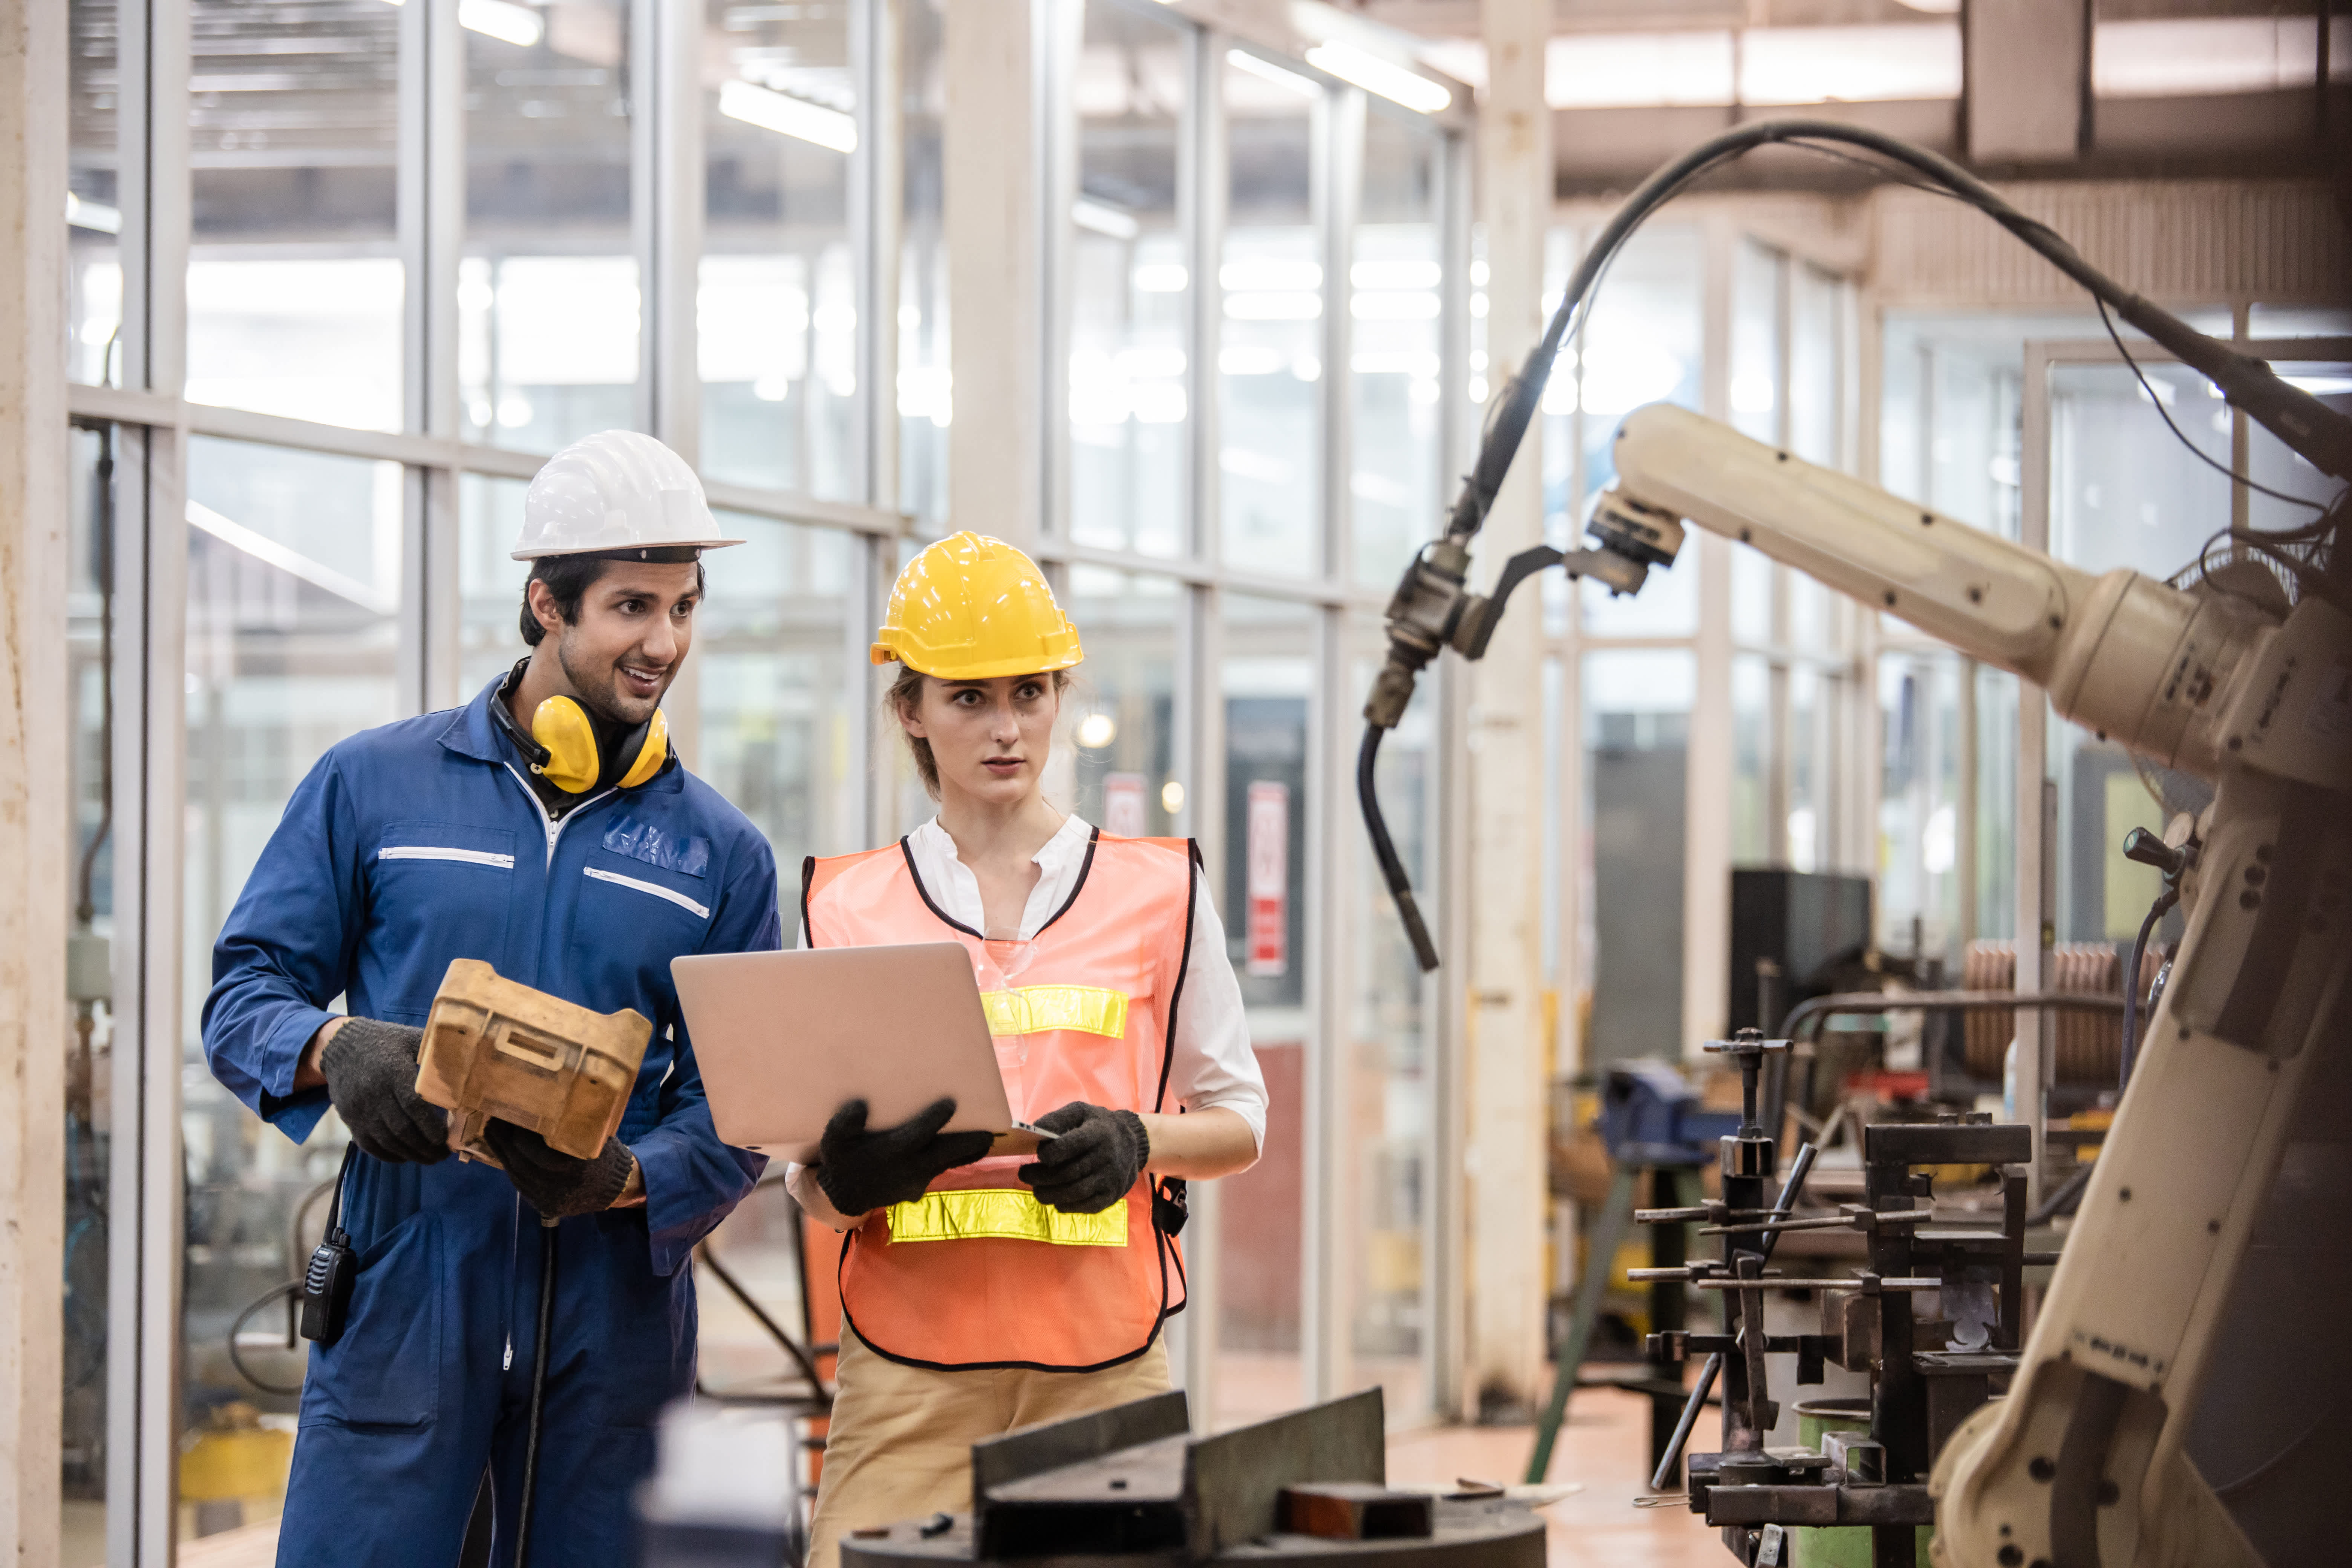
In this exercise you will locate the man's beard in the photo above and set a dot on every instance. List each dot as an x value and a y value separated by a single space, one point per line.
596 696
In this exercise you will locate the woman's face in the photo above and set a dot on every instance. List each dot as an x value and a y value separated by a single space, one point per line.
989 738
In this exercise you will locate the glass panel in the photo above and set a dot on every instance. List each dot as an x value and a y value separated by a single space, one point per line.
1996 857
293 595
1919 804
294 278
89 1039
547 293
1270 365
1394 301
93 207
1642 346
1382 1194
2122 492
1816 409
926 403
1637 735
1267 679
1118 718
772 644
1807 823
777 306
1758 277
489 582
1128 291
1751 760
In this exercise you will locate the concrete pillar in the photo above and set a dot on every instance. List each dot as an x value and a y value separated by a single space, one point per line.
1507 1054
2025 72
34 730
992 173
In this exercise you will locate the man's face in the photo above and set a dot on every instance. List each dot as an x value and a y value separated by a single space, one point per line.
636 623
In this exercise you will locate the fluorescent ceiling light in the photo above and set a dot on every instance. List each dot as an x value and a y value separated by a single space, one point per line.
1266 70
1102 218
501 19
787 116
1374 73
80 213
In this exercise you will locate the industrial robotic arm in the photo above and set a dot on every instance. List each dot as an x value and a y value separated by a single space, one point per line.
2212 683
2082 1466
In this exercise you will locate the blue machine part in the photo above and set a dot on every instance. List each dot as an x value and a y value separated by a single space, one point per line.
1649 1117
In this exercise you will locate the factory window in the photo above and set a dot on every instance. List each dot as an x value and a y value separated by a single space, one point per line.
1395 305
1270 357
1267 684
777 300
549 303
293 624
1129 289
1119 720
1387 1063
771 728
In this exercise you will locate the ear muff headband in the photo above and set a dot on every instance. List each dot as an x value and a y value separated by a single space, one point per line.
573 763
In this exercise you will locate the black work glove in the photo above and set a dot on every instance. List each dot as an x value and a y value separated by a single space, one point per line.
861 1171
370 1068
557 1185
1093 1161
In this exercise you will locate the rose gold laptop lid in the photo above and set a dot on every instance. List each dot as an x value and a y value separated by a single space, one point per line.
783 1038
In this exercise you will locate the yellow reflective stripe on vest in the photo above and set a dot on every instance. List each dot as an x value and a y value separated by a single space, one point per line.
969 1213
1033 1009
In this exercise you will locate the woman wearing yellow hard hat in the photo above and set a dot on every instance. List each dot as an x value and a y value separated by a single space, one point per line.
984 1294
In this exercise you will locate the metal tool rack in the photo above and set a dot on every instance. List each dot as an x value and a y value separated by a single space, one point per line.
1920 1394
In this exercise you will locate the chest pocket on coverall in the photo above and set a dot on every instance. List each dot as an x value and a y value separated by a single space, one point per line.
435 887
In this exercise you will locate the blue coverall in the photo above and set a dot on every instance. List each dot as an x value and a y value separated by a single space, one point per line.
407 847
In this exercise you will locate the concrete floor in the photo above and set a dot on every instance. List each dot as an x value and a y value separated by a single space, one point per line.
1604 1448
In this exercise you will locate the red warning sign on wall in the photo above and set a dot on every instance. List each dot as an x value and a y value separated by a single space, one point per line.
1270 876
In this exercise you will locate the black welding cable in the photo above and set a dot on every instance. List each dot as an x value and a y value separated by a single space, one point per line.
540 1353
2155 912
1384 851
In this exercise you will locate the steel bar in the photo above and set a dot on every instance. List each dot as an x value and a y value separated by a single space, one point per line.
1790 1190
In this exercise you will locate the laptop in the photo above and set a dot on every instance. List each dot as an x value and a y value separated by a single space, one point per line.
785 1038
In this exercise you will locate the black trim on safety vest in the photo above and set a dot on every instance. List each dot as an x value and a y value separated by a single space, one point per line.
808 881
925 894
1094 836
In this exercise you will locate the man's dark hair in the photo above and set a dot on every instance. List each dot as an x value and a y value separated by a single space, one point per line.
568 578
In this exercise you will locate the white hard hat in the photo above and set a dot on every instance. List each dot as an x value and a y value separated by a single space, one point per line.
615 491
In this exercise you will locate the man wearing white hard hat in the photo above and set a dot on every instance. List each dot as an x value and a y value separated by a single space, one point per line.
546 828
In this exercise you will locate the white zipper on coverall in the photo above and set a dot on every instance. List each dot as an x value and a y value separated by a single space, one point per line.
554 825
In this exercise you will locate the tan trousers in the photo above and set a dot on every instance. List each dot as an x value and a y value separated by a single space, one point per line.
900 1442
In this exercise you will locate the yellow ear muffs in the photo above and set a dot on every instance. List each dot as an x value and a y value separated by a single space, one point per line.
562 728
651 755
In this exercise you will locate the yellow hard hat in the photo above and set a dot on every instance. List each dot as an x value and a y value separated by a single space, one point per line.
973 608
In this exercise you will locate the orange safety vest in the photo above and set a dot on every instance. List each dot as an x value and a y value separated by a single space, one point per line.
977 1273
